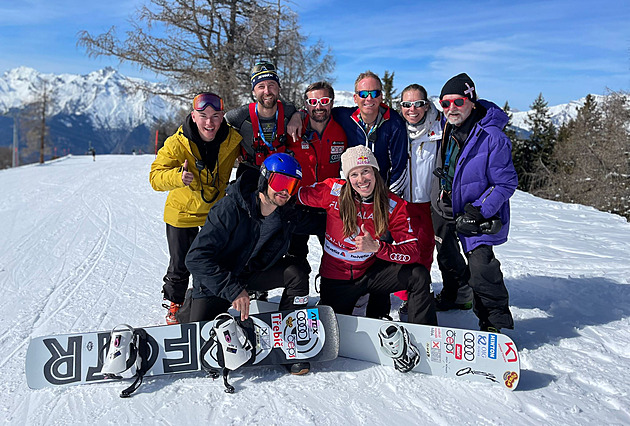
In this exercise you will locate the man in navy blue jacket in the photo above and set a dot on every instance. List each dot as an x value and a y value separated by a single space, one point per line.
470 204
375 125
378 127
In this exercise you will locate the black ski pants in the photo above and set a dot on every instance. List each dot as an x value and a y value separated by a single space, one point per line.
482 274
284 273
381 279
312 222
176 278
453 266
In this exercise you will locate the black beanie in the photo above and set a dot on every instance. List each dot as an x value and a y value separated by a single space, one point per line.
461 84
264 71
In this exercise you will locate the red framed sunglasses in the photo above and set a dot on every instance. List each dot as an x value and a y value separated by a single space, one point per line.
202 101
279 182
459 102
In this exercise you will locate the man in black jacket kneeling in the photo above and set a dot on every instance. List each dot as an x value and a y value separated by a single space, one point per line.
242 244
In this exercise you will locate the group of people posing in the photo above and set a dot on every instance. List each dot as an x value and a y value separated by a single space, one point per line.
381 190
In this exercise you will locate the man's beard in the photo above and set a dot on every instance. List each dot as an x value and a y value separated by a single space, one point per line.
321 118
272 200
268 103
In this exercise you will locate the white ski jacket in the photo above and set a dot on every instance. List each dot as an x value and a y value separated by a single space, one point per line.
423 140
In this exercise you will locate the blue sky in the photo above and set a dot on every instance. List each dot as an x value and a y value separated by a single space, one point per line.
513 50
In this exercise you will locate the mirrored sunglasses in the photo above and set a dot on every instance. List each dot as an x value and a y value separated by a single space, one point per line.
202 101
322 101
279 182
417 104
365 93
459 102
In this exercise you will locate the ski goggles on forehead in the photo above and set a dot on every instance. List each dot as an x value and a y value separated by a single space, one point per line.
279 182
202 101
365 93
459 102
417 104
322 101
263 66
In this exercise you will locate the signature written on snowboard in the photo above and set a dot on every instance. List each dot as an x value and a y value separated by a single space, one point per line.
469 370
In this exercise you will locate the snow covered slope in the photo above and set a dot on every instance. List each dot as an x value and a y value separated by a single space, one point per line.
83 248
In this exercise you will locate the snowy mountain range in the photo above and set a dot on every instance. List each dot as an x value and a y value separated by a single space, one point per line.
104 109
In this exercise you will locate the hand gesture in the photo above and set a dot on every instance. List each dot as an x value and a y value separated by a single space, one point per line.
187 177
294 126
365 243
241 304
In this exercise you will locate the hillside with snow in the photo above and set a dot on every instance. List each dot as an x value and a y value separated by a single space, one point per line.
83 248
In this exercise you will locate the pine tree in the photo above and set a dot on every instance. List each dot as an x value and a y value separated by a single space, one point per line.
543 137
389 94
534 154
509 128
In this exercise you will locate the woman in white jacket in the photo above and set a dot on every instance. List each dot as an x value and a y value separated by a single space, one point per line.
424 132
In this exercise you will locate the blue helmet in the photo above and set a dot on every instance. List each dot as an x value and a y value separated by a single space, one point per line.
281 163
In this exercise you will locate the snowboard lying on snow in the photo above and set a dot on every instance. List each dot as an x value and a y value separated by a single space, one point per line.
441 351
277 338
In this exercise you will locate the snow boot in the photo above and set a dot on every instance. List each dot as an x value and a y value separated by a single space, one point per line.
172 307
299 368
487 326
258 295
463 300
403 311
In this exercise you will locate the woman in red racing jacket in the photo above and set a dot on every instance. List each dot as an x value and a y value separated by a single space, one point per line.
370 244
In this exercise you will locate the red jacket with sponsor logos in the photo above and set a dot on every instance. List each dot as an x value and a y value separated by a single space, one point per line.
337 261
320 158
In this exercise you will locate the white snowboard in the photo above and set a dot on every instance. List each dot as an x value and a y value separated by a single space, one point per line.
280 338
448 352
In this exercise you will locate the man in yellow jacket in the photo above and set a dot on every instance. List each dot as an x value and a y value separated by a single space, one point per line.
194 165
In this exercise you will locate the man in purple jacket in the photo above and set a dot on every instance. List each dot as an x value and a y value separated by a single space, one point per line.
470 204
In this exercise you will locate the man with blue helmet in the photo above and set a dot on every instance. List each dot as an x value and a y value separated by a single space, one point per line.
242 244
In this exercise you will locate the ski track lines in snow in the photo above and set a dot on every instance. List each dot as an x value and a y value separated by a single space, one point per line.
84 249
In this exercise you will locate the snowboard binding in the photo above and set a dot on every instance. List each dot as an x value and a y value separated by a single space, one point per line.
395 343
127 348
233 348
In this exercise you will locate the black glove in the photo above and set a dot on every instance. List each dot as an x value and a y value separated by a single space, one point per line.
472 222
